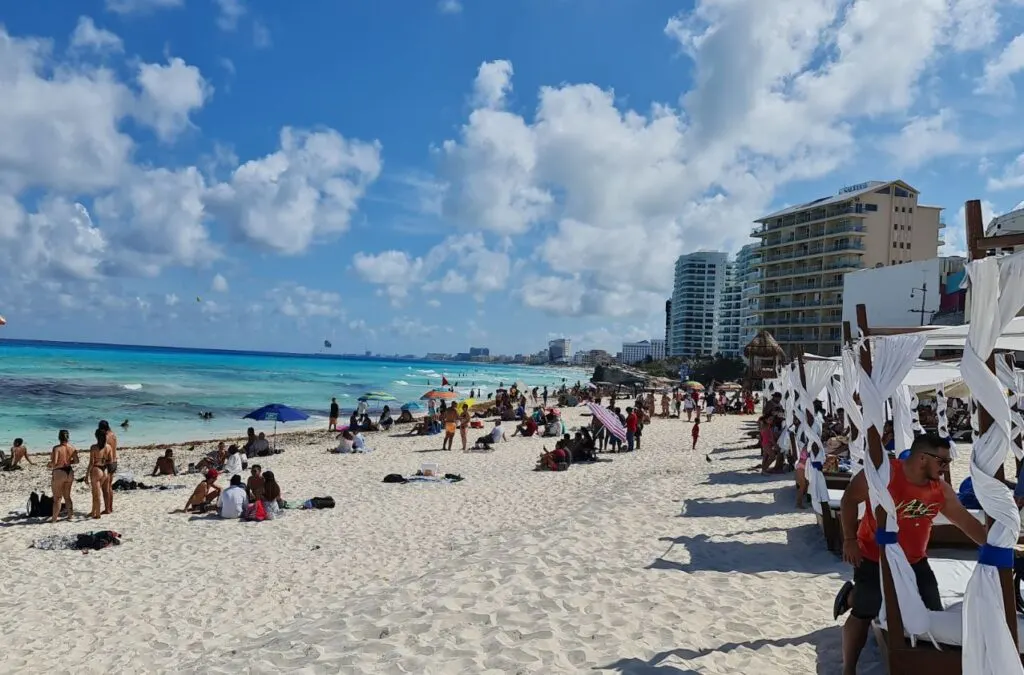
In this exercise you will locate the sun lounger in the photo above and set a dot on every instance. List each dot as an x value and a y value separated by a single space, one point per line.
946 626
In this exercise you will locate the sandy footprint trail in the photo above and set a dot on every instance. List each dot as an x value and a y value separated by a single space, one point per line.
656 562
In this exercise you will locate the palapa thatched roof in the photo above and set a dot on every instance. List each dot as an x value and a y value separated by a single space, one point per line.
764 346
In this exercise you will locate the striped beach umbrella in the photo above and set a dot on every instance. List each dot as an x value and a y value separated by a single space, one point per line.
439 394
608 420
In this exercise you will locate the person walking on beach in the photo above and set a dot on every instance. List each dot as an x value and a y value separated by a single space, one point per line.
332 419
96 475
464 421
545 396
63 457
695 431
111 466
450 418
920 494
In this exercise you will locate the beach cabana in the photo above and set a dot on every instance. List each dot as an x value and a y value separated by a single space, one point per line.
764 356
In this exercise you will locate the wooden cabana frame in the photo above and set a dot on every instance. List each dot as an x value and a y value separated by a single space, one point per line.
899 656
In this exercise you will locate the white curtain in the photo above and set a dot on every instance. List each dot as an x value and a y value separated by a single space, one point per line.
915 416
1008 377
788 405
847 388
892 358
902 419
943 418
996 295
817 374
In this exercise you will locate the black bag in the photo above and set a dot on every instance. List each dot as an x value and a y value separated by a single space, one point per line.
322 502
395 478
40 506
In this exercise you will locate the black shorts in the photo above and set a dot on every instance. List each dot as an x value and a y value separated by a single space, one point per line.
867 589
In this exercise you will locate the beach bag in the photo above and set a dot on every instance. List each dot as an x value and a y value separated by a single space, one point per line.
40 506
255 512
395 478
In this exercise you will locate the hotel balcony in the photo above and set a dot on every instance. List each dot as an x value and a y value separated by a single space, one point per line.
811 251
810 217
810 234
822 265
789 289
780 305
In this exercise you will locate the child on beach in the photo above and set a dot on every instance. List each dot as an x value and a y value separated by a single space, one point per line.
696 431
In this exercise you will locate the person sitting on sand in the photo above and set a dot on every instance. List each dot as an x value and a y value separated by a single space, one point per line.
255 485
272 501
552 426
487 440
385 420
250 439
359 444
346 440
405 418
165 465
555 460
236 462
214 459
527 427
260 447
205 493
233 500
19 453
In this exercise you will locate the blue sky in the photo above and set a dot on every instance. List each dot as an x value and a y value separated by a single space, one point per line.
422 176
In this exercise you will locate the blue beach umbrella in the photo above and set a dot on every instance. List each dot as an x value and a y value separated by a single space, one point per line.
377 396
412 406
276 412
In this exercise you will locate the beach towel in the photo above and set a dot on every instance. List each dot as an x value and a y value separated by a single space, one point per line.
419 478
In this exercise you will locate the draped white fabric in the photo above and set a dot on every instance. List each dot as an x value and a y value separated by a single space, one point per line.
789 406
915 416
943 419
902 419
996 295
892 358
818 374
832 387
848 388
1008 377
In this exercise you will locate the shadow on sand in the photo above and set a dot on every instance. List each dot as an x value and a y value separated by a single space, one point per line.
739 509
803 551
827 642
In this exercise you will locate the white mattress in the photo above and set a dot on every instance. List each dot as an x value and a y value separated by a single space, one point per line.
835 496
953 575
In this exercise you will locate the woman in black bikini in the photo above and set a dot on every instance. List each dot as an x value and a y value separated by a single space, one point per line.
108 485
96 475
62 457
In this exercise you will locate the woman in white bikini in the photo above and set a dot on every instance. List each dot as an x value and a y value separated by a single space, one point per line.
63 457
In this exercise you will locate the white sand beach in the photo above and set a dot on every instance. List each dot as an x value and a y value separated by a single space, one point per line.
655 562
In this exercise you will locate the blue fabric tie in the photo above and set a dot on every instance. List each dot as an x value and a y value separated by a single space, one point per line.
817 465
904 455
885 537
994 556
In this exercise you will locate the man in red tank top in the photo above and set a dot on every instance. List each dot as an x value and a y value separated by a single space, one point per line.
920 494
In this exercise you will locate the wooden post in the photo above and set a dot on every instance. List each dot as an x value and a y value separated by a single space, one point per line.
876 455
976 250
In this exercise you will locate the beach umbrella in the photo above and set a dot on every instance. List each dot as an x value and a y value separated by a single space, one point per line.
438 394
275 412
729 386
412 406
693 384
609 420
377 396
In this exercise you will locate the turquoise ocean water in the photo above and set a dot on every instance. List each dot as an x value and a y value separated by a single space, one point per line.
45 387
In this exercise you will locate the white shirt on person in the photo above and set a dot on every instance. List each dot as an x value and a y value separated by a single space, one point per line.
233 464
496 434
233 502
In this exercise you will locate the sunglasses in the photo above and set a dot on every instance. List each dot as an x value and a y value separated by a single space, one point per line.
943 461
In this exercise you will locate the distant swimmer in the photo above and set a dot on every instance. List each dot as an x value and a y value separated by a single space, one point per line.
124 425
